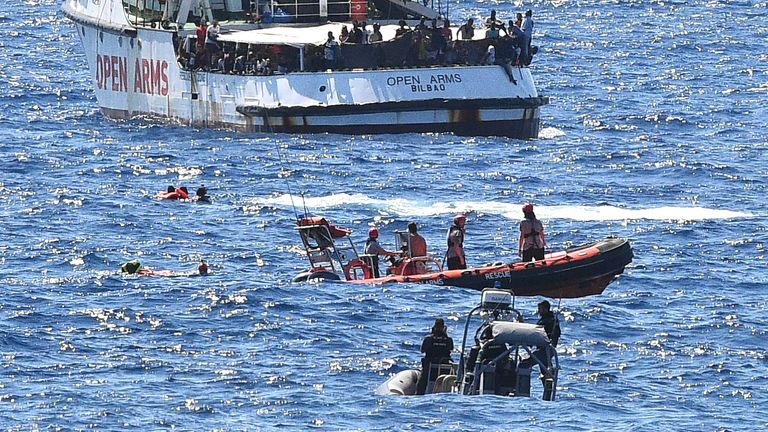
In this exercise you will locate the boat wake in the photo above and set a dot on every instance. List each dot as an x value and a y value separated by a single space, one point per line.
411 208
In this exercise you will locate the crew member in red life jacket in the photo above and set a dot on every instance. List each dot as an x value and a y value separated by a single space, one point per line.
437 347
374 250
532 243
455 254
202 269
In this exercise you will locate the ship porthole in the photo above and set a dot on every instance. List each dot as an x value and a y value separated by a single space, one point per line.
322 88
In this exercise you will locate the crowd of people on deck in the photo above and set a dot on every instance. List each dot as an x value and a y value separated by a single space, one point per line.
426 44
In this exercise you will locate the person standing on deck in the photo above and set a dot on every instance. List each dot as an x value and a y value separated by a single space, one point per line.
532 243
374 249
466 31
437 347
330 51
527 29
418 245
455 253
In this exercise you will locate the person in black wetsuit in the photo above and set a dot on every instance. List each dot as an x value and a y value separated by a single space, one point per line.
437 347
551 325
549 321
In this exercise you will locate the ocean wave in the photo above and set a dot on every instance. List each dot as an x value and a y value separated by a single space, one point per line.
416 208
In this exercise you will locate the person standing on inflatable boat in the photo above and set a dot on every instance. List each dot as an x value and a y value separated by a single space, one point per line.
455 253
532 243
374 249
437 347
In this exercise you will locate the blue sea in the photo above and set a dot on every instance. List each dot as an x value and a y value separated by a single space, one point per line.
656 131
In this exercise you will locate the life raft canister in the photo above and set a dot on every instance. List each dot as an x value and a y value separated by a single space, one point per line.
356 263
336 231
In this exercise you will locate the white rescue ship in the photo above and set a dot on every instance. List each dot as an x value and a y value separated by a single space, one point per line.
269 69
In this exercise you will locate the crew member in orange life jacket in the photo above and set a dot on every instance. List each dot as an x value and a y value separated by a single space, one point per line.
455 254
531 245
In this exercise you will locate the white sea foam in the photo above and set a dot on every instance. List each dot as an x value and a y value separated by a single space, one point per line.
411 208
550 133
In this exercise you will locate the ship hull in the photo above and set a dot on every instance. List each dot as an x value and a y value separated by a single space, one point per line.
135 74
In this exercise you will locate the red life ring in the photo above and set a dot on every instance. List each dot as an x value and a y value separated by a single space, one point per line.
357 263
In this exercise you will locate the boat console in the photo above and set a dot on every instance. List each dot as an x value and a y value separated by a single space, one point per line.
500 361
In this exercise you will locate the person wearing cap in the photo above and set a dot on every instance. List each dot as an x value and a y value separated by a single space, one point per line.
455 237
532 243
437 347
374 250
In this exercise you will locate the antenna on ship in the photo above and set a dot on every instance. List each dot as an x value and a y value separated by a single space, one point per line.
288 184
